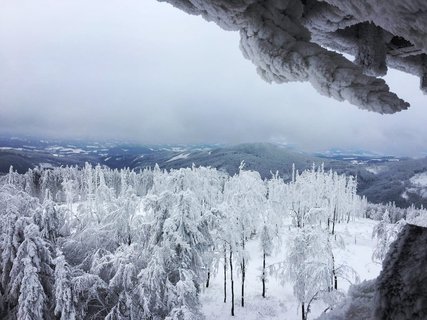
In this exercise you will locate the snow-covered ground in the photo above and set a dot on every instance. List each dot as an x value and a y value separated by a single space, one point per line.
280 302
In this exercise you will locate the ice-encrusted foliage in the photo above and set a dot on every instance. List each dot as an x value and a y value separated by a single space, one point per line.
287 41
358 304
96 243
32 299
26 273
386 233
64 300
317 201
401 288
31 276
399 292
180 236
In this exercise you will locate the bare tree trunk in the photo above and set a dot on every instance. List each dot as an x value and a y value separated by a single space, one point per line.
232 281
333 220
263 275
225 274
243 281
207 281
243 274
335 282
334 273
304 316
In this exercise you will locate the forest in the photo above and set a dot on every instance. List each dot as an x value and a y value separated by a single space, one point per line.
97 243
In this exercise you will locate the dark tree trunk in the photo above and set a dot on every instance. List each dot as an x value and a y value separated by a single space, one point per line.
303 315
225 274
334 273
243 281
207 281
243 274
333 220
263 275
335 282
232 282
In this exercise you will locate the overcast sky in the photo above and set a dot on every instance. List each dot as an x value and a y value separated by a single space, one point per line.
143 70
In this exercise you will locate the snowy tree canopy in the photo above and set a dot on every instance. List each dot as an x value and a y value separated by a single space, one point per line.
96 243
287 40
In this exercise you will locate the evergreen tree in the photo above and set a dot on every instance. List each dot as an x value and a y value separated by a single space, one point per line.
64 300
31 275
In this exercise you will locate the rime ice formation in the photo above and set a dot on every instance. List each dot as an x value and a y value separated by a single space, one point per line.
400 291
287 40
357 306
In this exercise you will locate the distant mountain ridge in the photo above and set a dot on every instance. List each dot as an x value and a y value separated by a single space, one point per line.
380 178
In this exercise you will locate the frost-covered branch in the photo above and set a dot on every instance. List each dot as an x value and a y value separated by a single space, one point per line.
287 40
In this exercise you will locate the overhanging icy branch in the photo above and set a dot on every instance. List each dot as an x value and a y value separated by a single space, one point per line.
287 40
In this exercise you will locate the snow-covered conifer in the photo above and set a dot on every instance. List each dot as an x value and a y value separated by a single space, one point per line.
64 300
31 275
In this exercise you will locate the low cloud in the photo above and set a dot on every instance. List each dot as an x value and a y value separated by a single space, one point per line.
146 71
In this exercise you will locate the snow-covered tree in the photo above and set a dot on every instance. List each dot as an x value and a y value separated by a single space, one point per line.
245 198
385 232
307 265
139 245
170 281
64 300
266 243
31 275
47 218
32 298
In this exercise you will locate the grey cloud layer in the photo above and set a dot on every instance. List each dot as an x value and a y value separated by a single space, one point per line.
146 71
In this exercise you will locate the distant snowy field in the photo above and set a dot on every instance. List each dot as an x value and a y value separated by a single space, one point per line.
280 302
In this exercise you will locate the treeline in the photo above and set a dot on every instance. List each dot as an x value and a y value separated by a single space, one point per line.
96 243
394 213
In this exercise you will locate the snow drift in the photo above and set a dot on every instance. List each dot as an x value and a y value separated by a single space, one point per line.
287 41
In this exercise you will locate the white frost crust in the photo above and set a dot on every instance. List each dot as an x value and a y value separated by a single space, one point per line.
286 40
